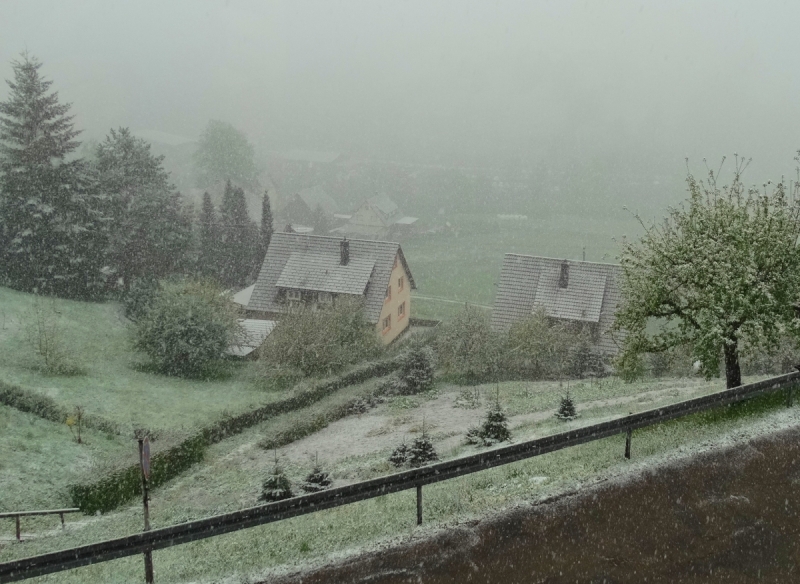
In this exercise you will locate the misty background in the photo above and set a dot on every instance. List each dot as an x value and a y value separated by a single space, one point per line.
584 105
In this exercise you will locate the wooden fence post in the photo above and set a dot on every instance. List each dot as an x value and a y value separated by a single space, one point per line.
789 396
419 504
628 437
19 535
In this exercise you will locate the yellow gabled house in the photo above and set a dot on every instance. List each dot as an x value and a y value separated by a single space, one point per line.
315 271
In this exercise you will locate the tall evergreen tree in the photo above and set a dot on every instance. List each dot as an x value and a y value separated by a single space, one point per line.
264 235
238 237
150 234
208 256
52 218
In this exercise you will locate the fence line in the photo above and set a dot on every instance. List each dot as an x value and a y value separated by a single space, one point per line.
415 478
17 514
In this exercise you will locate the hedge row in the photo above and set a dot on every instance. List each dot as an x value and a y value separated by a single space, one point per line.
46 407
121 486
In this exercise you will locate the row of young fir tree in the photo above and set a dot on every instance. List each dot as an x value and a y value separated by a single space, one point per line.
80 228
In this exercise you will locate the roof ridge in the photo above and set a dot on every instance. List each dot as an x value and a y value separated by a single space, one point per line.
334 238
523 255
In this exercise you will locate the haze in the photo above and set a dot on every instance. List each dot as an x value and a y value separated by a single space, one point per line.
620 87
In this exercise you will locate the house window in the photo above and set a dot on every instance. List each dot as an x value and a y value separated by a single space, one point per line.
294 295
401 311
388 292
387 323
400 283
325 297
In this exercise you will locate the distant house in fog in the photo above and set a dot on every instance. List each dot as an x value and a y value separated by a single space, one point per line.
377 218
304 207
315 271
584 293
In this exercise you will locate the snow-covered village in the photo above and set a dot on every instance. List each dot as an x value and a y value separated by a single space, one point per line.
394 291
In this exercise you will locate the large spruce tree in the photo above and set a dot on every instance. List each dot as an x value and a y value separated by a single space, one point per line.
150 234
238 237
52 216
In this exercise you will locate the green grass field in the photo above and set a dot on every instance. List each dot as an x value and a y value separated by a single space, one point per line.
115 385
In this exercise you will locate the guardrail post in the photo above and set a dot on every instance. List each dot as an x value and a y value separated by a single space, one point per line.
19 538
62 520
419 504
628 437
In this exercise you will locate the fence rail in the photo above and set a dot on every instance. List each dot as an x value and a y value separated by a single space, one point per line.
416 478
17 514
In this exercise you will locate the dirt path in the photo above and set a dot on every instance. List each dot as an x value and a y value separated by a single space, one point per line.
381 429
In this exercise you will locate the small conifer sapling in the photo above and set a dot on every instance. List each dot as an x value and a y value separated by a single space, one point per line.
317 480
566 409
277 485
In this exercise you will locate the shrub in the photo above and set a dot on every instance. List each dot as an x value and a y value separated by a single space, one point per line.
188 326
322 341
566 408
467 346
494 428
317 480
46 338
399 456
277 485
421 452
583 360
416 371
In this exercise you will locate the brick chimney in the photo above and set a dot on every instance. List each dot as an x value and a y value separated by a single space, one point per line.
344 252
563 279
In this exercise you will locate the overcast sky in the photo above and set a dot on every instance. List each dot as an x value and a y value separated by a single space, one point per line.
432 80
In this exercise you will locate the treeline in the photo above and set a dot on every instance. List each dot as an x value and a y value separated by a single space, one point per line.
84 229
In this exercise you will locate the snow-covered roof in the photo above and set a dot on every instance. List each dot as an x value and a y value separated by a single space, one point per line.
406 221
323 272
283 246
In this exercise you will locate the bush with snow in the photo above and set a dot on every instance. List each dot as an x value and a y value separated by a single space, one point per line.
188 325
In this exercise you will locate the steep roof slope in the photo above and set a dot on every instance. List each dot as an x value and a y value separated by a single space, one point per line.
529 282
312 262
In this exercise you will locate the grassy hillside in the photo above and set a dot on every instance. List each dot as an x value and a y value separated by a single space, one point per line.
231 474
115 385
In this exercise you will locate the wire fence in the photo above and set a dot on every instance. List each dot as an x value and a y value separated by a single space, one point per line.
411 479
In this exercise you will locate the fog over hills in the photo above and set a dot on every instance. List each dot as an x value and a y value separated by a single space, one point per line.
606 97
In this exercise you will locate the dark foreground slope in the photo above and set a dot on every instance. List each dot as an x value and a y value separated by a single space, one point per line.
729 515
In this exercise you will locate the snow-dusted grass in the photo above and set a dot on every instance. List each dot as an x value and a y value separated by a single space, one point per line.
230 478
38 458
115 386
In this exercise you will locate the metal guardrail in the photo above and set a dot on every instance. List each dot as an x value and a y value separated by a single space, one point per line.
17 514
416 478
